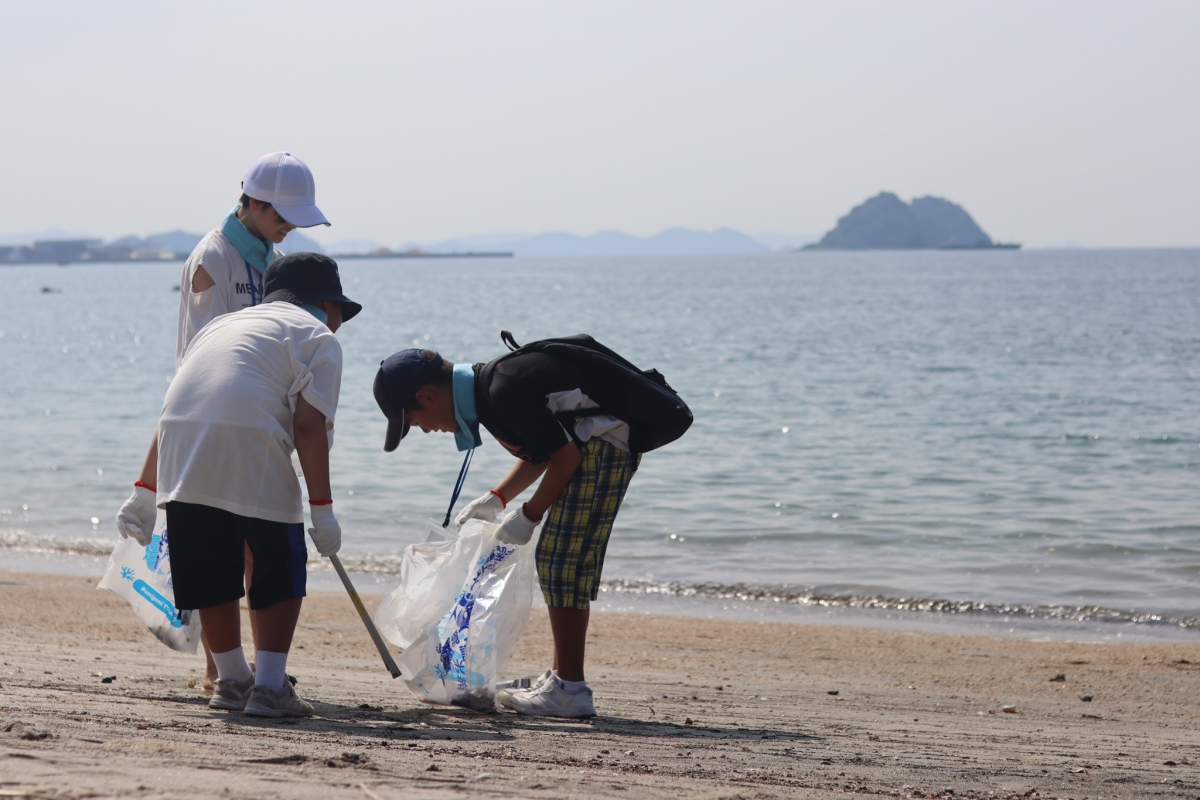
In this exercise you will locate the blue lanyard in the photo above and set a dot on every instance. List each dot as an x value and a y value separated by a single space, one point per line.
253 292
458 485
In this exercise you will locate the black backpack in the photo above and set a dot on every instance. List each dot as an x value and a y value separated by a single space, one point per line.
642 398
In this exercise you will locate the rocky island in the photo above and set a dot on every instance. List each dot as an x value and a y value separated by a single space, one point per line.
885 222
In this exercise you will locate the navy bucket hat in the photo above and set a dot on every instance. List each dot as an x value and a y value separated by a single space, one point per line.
304 279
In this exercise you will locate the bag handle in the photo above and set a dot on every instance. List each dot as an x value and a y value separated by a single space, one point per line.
458 485
508 340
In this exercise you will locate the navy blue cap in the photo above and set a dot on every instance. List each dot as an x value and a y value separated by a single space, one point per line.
399 378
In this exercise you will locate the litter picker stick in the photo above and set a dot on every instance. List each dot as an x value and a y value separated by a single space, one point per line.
380 645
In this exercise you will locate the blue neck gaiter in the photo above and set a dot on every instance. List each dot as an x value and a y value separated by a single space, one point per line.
463 385
316 312
253 250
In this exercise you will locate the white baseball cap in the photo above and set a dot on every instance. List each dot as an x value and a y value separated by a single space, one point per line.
286 183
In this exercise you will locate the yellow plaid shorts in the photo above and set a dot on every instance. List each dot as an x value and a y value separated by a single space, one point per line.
570 552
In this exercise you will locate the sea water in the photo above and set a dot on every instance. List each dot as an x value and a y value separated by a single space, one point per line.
986 434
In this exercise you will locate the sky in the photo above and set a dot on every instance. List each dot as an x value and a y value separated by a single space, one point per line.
1051 121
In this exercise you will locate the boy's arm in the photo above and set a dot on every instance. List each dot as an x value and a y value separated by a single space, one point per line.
520 478
518 526
488 507
563 463
139 514
312 447
150 466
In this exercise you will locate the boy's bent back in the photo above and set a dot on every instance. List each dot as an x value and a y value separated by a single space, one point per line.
225 435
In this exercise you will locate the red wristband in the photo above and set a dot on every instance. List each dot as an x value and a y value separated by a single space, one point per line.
503 502
145 486
328 502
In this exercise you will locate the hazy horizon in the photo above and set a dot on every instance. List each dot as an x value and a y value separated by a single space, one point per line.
1051 123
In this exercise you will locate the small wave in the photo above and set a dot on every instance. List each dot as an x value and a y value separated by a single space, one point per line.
361 564
40 543
389 565
805 597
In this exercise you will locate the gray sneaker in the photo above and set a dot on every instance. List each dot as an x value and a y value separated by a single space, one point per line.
266 702
504 696
230 694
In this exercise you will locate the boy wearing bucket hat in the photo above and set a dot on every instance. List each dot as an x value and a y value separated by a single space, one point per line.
225 477
223 274
584 475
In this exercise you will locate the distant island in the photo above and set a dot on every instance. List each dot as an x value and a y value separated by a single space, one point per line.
885 222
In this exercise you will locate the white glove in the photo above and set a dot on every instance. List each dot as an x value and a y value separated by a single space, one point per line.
516 527
486 508
326 533
136 518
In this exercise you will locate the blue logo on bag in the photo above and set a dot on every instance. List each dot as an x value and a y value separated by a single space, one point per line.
158 601
158 552
454 627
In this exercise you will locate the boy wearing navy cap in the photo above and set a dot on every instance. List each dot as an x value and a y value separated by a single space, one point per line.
224 472
584 474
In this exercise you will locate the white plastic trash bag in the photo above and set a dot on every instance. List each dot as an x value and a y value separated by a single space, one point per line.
142 575
463 601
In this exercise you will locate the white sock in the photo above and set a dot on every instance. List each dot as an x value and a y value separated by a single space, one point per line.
231 665
271 669
573 687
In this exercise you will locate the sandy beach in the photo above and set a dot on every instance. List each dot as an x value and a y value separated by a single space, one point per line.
688 708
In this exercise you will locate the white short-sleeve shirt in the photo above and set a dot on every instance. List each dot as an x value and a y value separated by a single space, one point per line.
225 433
233 282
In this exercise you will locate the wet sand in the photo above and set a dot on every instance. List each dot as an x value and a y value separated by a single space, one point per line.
688 708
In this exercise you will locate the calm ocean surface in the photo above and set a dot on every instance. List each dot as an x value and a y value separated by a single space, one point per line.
1016 432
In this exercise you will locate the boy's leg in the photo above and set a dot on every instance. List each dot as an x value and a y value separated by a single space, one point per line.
569 627
210 666
207 573
249 580
570 557
276 594
223 626
277 624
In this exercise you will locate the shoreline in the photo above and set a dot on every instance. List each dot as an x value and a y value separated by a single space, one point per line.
752 606
776 709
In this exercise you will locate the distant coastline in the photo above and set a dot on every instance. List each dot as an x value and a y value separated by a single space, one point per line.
422 254
61 247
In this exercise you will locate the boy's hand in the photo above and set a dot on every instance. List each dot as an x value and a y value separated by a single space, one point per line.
136 518
516 527
326 533
486 508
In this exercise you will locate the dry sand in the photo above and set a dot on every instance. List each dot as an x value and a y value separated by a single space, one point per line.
688 708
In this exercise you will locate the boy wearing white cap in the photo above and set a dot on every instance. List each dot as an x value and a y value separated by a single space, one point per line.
224 273
225 270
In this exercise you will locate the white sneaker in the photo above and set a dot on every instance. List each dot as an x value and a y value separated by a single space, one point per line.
504 696
551 699
266 702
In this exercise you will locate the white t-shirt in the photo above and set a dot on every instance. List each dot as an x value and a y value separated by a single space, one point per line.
225 434
231 291
605 426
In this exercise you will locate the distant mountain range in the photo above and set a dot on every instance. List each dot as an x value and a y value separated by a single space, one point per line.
885 222
671 242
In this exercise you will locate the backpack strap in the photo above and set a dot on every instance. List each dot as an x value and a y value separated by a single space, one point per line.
509 341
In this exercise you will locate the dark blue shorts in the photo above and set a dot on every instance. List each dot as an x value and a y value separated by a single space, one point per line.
208 562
